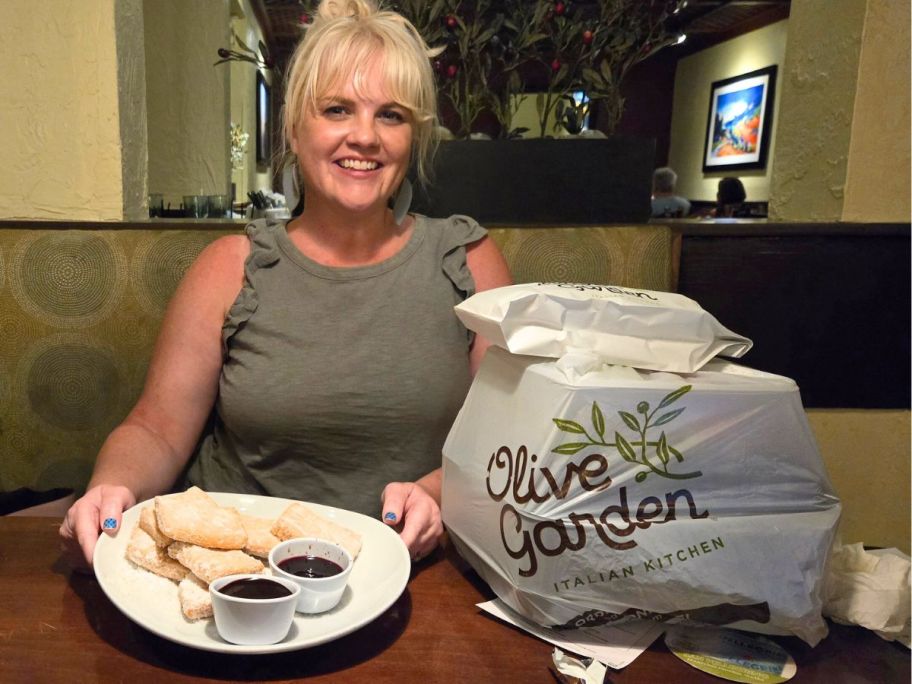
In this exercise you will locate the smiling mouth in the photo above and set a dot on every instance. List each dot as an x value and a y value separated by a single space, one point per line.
358 164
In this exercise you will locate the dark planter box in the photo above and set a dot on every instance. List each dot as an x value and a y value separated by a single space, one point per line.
542 181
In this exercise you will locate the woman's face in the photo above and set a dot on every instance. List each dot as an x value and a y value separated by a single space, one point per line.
354 149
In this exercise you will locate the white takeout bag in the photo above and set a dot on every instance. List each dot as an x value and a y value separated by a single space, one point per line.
639 328
587 493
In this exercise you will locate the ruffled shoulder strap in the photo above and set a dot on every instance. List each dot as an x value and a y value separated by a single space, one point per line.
455 233
264 252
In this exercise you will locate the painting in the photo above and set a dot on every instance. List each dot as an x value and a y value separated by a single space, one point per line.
740 121
263 122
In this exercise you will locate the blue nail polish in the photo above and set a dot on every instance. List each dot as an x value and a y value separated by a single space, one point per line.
109 524
390 516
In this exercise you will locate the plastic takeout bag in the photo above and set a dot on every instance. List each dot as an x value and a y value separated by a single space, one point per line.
586 493
639 328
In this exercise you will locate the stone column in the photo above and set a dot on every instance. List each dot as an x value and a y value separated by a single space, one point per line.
817 99
842 145
878 177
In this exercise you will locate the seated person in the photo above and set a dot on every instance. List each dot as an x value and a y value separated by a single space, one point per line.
665 203
317 357
730 199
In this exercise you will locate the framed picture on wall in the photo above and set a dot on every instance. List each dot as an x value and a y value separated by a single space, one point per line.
263 119
740 121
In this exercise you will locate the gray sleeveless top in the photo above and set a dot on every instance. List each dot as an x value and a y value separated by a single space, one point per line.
336 381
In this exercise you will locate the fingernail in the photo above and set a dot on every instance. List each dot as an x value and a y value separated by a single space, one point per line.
109 524
390 516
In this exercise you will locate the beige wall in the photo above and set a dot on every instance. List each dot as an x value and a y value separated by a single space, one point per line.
867 455
108 100
526 116
693 79
59 111
187 97
877 176
817 102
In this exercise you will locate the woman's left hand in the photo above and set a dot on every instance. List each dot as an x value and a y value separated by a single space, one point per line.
409 508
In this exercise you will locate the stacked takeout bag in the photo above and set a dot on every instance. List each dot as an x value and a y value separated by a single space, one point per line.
607 465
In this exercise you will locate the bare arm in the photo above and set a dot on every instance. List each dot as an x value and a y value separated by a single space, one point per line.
149 449
144 455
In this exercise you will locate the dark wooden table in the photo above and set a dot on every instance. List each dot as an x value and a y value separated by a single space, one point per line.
57 626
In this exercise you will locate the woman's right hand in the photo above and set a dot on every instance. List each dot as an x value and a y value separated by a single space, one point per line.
99 510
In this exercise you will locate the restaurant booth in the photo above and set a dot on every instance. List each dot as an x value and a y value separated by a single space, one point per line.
821 286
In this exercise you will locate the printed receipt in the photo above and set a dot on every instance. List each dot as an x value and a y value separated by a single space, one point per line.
616 646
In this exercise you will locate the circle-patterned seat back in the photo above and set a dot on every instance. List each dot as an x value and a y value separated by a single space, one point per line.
637 256
79 313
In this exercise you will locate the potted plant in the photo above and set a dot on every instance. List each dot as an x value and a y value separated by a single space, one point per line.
498 53
485 45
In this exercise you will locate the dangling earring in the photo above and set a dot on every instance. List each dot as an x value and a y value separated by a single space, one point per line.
402 201
291 186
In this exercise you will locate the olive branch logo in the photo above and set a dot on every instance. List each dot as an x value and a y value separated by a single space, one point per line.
634 450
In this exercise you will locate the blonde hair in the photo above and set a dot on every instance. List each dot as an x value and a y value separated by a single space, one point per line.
342 41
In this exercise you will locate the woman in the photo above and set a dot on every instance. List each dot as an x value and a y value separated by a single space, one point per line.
318 360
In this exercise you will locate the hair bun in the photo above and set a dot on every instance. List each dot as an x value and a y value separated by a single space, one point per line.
334 9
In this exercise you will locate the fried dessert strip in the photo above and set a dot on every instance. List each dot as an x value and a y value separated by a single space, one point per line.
195 517
297 520
149 523
195 601
210 564
260 538
142 550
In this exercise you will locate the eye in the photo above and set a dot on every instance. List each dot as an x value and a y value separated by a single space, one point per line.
391 115
335 110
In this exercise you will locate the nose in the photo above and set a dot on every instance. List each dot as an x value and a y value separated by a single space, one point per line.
363 132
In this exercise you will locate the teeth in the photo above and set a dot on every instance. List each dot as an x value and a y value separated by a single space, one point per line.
358 164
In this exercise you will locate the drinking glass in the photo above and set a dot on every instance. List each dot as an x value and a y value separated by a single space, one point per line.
196 206
218 206
156 205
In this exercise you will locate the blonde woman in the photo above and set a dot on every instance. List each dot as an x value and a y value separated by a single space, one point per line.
317 359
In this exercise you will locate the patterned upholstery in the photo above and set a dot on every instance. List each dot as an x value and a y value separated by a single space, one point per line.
640 256
80 310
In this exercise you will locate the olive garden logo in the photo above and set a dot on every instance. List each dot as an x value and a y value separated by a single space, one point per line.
513 478
633 451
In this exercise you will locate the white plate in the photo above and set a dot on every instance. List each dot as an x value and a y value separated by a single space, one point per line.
378 578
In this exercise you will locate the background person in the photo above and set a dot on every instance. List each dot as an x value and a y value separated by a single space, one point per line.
317 358
665 203
730 199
